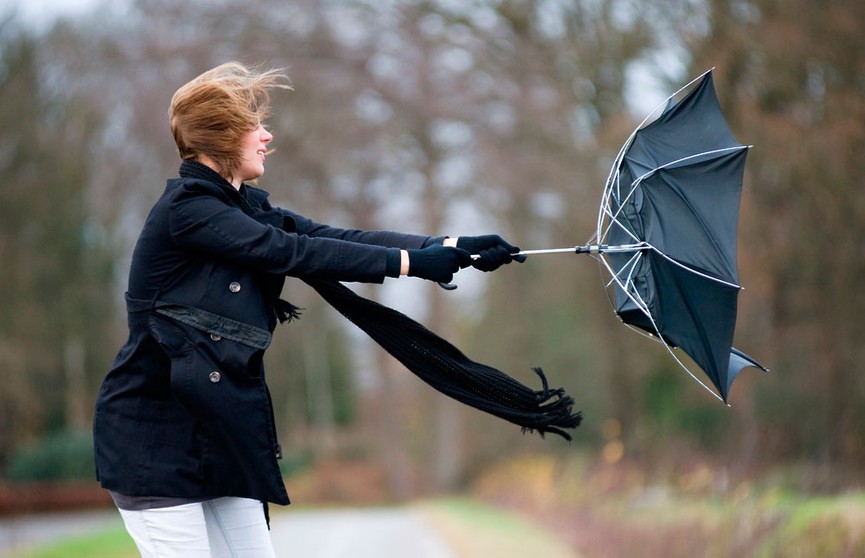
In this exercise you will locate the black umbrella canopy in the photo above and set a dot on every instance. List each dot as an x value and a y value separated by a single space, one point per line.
674 193
666 233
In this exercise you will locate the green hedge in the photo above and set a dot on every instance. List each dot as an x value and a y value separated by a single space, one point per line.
62 456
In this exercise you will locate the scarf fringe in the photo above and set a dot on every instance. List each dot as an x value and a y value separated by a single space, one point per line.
286 311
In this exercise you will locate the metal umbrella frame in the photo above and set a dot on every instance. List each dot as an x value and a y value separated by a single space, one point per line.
614 239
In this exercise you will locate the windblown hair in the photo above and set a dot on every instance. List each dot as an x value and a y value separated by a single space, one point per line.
210 114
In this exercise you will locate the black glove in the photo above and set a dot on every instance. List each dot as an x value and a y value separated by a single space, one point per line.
437 262
494 251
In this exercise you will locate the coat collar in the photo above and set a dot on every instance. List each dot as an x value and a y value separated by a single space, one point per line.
251 200
190 168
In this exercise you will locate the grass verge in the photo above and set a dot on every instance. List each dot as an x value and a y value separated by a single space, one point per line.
114 543
476 530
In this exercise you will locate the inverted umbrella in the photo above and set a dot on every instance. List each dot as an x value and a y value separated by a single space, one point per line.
666 233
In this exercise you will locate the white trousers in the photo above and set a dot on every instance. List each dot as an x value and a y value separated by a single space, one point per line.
221 528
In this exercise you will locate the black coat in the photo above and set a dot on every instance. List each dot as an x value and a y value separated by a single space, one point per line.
185 410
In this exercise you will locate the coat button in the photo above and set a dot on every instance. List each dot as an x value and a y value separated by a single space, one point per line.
215 376
234 287
215 337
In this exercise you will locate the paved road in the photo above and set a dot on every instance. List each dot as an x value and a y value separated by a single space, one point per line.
356 533
28 530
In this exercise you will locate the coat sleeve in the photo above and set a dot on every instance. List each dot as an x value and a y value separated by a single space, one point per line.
306 226
203 223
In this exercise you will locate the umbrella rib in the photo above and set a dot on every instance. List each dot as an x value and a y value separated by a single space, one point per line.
690 373
604 210
624 274
614 217
663 103
631 266
635 183
693 156
634 297
633 236
608 194
696 271
614 169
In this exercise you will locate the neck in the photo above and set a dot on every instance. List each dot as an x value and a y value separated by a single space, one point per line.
208 162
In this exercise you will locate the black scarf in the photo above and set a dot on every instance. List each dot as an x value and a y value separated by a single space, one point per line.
447 369
434 360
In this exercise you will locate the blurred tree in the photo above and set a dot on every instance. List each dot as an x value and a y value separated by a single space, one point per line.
57 263
791 81
448 118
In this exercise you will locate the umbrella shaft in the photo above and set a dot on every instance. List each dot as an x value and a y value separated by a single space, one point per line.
572 250
587 249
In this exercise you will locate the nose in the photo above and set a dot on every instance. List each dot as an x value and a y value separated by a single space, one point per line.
264 135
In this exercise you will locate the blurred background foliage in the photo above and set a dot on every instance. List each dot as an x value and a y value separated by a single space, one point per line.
449 117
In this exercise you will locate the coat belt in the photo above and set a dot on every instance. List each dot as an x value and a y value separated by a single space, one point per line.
206 321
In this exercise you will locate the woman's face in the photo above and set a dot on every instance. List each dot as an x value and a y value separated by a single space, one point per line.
253 147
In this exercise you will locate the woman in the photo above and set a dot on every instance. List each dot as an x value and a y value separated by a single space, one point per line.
184 433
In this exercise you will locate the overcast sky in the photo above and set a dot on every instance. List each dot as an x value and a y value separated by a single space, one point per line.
40 12
644 91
